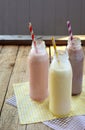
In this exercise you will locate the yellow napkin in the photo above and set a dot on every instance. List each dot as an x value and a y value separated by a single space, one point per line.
32 112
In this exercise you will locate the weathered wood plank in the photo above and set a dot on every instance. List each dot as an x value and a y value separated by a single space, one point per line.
26 39
9 115
7 61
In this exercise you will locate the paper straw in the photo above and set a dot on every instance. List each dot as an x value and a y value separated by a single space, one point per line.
70 30
54 45
32 34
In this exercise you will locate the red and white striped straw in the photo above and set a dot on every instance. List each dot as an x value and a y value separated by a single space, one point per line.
70 30
32 34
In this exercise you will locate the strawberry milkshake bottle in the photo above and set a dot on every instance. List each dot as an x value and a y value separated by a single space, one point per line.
76 57
38 63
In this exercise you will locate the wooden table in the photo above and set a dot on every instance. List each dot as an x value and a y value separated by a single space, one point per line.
13 70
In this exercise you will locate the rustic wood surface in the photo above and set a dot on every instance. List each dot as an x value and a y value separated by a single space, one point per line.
26 39
13 69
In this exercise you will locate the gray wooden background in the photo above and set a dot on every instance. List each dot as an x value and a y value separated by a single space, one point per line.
48 17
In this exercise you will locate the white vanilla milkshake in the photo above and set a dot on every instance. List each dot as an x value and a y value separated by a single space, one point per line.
60 85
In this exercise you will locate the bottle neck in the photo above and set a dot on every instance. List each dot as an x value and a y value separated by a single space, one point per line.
40 46
74 44
62 56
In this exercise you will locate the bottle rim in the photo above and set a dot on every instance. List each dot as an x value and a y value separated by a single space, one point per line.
75 43
39 43
62 54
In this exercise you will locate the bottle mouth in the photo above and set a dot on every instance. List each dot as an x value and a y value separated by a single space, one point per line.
62 55
75 43
40 46
74 40
39 43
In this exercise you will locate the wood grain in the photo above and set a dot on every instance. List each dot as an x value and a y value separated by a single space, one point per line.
9 115
26 39
7 61
13 69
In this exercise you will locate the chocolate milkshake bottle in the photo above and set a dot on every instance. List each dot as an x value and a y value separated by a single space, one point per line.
38 63
76 57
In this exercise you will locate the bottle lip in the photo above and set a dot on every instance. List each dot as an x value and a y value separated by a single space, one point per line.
40 46
75 43
75 39
39 43
62 55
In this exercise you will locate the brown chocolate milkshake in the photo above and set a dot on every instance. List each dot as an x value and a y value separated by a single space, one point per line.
76 57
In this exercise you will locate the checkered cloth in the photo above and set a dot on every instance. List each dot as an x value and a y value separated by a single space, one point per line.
71 123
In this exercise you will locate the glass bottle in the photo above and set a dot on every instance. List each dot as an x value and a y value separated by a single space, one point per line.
76 57
60 84
38 63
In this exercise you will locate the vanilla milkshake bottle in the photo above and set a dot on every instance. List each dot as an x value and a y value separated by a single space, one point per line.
76 57
38 71
60 85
